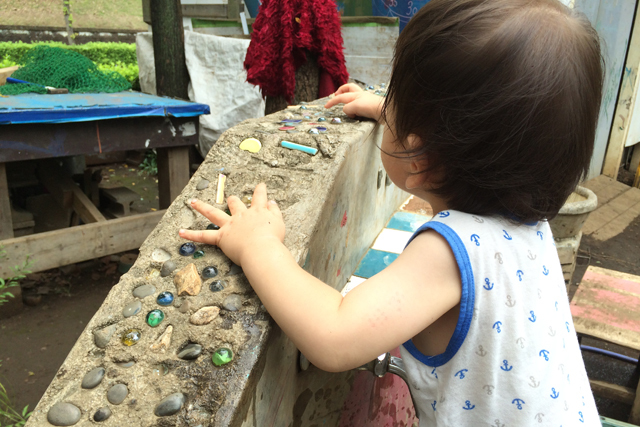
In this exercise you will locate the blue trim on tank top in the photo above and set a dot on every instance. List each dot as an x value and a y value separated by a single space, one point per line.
467 299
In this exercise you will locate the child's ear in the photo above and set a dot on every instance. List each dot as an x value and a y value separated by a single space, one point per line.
417 166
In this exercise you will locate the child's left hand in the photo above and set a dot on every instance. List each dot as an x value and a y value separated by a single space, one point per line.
245 230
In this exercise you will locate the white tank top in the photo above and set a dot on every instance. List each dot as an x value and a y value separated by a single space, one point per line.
514 358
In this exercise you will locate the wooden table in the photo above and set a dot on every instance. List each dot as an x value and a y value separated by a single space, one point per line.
41 127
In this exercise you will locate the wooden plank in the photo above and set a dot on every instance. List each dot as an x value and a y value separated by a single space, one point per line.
71 245
173 173
204 10
87 211
624 113
6 225
615 392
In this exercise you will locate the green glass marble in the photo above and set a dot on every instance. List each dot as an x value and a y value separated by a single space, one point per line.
154 317
222 356
130 337
198 254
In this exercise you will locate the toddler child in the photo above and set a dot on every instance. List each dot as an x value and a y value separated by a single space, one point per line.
490 116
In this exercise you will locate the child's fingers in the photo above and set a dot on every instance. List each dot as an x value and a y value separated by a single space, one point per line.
214 215
203 236
273 208
259 198
349 87
344 98
235 205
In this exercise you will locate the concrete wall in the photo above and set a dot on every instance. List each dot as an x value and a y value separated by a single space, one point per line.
333 203
28 34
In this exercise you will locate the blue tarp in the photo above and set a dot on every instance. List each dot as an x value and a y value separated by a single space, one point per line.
81 107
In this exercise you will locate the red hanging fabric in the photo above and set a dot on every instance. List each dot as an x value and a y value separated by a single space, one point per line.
283 32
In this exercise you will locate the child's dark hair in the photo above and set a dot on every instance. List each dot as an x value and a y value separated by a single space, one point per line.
504 96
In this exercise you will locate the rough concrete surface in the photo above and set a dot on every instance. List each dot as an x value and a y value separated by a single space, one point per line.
333 208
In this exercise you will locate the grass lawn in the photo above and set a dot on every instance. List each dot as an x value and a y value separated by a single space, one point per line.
116 14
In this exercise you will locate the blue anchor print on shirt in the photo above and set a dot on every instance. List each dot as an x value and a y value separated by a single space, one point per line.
497 325
475 239
518 402
554 394
567 325
460 373
519 273
539 233
488 285
505 366
545 354
468 406
545 271
444 214
581 416
533 317
506 235
433 405
434 373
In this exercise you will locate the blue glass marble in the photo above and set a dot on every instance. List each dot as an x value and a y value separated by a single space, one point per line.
209 272
217 286
303 107
321 119
370 87
212 227
187 249
165 298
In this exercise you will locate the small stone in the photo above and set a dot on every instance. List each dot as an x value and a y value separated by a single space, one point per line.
63 414
222 356
130 337
198 254
209 272
190 352
246 199
187 249
336 120
202 185
160 370
234 269
132 309
126 365
204 316
185 307
251 145
153 274
163 342
233 302
304 362
212 227
144 291
102 414
101 337
160 255
217 285
292 131
313 131
169 405
92 378
165 298
321 119
188 281
274 163
117 394
167 268
155 317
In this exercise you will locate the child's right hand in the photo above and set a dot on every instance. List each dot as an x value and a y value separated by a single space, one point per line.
357 102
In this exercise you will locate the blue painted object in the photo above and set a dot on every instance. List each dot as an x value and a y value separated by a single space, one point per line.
401 9
81 107
374 262
165 298
406 221
303 148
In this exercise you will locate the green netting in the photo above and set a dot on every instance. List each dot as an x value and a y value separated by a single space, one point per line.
61 68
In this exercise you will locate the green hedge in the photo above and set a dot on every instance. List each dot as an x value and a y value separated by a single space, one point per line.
98 52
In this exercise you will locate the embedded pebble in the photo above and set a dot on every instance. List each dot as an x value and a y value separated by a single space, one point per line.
222 356
304 362
165 298
217 286
204 316
185 307
160 255
144 291
63 414
169 405
232 302
167 268
202 184
187 249
209 272
92 378
163 342
188 281
126 364
313 131
186 218
101 337
234 269
190 352
102 414
153 273
117 394
132 309
130 337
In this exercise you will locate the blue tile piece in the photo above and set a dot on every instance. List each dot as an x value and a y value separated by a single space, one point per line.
407 221
374 262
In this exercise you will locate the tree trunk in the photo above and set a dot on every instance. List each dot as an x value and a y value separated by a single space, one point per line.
307 87
68 20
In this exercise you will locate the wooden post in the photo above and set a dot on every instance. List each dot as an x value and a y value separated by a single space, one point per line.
172 79
6 224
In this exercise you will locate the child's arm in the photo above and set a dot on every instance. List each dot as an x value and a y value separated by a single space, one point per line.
357 102
335 333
